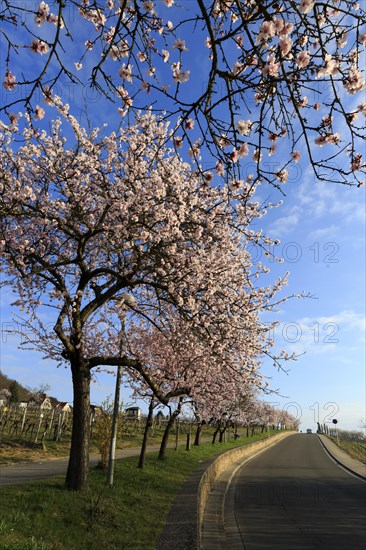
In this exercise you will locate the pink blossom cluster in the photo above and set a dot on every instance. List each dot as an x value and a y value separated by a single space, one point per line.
275 58
82 225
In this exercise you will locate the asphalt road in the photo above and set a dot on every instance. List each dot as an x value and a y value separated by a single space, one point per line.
294 497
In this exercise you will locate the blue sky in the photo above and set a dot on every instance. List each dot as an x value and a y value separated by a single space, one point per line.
322 231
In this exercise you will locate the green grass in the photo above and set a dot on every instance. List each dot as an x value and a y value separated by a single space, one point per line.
356 449
129 516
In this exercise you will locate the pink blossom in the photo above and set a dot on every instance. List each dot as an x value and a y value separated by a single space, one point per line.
208 177
195 150
126 99
271 68
148 6
320 140
178 142
119 50
168 3
286 29
243 150
330 138
330 67
166 55
296 155
303 40
333 138
342 39
38 46
39 113
178 75
354 81
362 108
266 31
272 150
126 72
244 127
278 25
306 5
9 81
257 155
13 117
223 141
220 170
42 14
234 155
327 120
282 175
189 125
356 162
303 102
180 45
285 45
303 59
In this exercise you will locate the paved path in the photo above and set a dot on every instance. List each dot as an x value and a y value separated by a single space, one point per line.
25 472
293 496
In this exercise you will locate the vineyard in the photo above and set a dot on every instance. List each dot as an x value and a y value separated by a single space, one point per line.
30 432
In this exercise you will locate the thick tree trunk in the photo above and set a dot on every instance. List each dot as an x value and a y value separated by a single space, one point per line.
164 441
149 422
222 435
215 434
78 468
198 434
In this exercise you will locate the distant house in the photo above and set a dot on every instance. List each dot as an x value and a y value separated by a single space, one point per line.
42 401
133 412
95 411
63 406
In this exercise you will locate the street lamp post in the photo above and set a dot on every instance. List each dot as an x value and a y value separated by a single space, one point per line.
125 300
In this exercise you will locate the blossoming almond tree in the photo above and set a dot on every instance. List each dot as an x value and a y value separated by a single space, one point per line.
86 220
213 368
236 77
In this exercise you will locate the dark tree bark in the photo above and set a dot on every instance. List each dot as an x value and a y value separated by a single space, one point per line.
149 422
164 441
222 434
188 443
198 434
78 467
215 434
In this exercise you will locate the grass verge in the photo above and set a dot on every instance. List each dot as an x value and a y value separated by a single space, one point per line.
129 516
355 449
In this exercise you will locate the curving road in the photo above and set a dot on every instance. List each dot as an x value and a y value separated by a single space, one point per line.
295 497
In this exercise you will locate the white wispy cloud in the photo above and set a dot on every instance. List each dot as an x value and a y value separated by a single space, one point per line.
322 334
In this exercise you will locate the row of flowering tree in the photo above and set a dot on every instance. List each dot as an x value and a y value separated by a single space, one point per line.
103 228
97 223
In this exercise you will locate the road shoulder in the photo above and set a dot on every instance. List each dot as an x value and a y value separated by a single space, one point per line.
353 466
